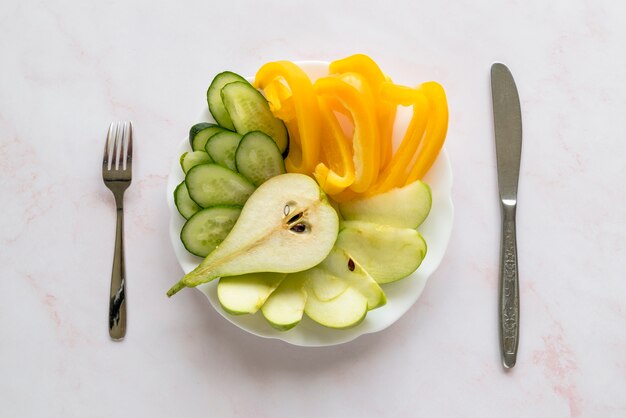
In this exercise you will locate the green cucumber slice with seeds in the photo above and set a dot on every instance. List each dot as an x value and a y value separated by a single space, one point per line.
249 111
207 228
212 184
184 204
191 159
258 158
200 133
222 147
214 97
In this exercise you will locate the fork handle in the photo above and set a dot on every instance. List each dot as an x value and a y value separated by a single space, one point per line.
117 301
509 288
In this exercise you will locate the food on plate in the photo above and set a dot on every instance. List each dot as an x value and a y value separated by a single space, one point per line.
410 206
386 252
284 308
205 229
297 198
222 147
250 112
200 133
246 294
211 184
286 226
193 158
258 158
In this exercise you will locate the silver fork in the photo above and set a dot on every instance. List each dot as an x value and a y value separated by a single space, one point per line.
117 167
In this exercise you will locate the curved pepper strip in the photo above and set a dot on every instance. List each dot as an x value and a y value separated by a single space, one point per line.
304 148
280 100
336 173
385 110
398 169
435 131
281 104
365 157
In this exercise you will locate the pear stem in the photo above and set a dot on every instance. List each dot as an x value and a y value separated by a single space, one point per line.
175 289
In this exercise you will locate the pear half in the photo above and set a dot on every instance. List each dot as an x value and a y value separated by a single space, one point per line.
287 225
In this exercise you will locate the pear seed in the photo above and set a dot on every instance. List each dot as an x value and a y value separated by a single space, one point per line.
295 218
351 265
298 228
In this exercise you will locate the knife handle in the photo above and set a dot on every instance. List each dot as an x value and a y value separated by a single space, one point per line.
509 288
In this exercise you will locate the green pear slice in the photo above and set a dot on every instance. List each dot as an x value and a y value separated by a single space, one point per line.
385 252
325 285
344 311
286 226
245 294
284 308
404 207
339 263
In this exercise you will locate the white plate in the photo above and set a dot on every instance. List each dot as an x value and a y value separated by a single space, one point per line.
401 295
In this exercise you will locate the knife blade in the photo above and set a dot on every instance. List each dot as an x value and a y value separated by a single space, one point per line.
507 119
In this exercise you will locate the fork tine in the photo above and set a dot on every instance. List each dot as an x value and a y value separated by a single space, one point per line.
107 147
129 149
114 158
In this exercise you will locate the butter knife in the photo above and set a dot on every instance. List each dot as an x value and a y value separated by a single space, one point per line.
508 133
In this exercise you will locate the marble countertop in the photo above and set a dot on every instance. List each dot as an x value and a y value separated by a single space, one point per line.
70 68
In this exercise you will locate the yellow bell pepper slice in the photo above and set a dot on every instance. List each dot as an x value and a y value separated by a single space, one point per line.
280 100
304 148
365 151
336 172
435 131
281 104
385 110
398 169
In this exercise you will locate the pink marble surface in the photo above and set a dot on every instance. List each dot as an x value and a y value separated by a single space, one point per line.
70 68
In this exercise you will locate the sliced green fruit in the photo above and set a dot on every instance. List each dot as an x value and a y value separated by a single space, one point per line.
325 285
222 147
214 97
249 111
184 204
404 207
345 311
191 159
200 133
258 158
342 265
385 252
212 184
284 308
205 230
286 226
245 294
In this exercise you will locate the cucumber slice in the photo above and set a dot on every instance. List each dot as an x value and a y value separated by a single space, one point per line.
250 111
212 184
207 229
200 133
214 97
184 204
245 294
191 159
258 158
222 147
